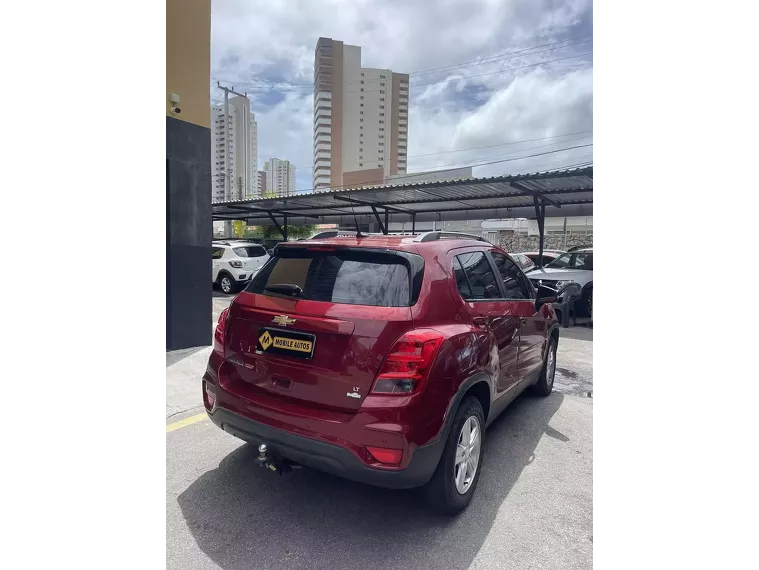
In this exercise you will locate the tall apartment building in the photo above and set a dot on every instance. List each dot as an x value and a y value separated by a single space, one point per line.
240 143
360 119
280 177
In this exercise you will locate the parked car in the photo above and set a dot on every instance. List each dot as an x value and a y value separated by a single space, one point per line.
235 263
381 359
548 256
572 266
524 262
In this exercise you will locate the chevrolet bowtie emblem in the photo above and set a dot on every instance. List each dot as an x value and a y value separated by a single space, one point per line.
283 320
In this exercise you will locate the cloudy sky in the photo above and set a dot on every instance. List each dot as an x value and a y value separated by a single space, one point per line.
491 80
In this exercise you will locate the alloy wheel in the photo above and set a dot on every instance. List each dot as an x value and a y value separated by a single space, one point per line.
467 454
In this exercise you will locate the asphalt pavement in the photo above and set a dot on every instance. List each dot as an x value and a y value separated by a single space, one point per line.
532 509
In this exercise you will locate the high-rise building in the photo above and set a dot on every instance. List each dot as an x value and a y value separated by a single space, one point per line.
280 177
262 182
360 119
239 144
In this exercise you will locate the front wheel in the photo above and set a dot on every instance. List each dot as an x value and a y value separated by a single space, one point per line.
451 488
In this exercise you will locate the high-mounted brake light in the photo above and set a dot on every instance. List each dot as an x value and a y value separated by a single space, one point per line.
220 332
408 363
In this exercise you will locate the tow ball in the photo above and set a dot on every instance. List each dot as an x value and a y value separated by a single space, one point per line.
270 463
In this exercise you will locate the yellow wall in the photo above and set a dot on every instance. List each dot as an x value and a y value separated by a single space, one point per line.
188 59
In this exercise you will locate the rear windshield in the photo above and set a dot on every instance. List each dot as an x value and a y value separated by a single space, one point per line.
250 251
348 277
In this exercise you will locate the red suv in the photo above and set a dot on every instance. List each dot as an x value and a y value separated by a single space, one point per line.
381 359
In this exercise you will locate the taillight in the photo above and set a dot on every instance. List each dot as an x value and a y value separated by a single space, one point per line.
387 456
407 365
235 263
220 332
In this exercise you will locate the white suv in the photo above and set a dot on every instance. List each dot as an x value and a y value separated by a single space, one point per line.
574 266
235 263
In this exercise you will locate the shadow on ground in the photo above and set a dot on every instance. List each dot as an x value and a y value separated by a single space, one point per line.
243 517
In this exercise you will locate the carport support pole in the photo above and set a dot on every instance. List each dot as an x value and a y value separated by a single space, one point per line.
387 225
540 214
413 223
284 229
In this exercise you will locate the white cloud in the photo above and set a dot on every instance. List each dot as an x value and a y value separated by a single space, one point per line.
260 41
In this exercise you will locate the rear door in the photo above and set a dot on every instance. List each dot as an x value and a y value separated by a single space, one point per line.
315 324
478 286
532 326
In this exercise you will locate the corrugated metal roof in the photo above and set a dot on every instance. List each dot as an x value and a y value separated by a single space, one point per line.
513 191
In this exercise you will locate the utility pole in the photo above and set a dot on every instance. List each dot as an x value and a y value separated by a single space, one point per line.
228 175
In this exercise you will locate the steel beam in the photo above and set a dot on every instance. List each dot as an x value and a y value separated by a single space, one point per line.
365 203
383 228
535 193
279 227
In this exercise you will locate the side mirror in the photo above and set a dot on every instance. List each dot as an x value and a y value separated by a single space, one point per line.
544 295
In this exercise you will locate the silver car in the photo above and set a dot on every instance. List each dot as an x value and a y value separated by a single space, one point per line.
571 267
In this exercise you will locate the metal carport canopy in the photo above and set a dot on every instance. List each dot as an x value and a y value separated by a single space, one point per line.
558 193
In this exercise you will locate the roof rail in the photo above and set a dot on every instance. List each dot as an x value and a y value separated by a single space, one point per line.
575 248
435 235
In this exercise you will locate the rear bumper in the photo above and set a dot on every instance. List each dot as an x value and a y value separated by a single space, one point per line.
328 457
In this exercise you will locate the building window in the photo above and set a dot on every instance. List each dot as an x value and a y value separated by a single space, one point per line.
382 91
361 127
362 104
382 106
382 84
382 77
362 96
382 128
362 120
362 89
362 75
382 98
382 122
382 114
362 81
360 164
381 144
361 157
362 112
361 135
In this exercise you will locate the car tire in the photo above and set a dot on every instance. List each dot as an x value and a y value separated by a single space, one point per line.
544 385
227 284
442 492
584 306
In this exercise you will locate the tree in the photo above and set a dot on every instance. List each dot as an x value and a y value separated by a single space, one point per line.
293 232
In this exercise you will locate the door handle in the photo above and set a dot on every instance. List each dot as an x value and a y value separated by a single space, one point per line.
523 320
480 321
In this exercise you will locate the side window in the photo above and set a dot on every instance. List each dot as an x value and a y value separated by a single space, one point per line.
512 278
480 281
217 252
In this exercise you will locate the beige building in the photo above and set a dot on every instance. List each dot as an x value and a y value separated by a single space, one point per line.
360 119
280 177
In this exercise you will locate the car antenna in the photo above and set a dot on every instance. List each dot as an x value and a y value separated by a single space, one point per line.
355 220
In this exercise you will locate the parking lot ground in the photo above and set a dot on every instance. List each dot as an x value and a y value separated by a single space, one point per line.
532 509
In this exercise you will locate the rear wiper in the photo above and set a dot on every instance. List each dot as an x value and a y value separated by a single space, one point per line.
285 289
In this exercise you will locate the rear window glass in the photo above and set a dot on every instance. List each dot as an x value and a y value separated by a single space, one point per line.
250 251
347 277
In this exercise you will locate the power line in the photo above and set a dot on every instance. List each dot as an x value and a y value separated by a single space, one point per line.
364 161
472 63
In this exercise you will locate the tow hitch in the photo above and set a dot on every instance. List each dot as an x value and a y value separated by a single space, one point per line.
270 463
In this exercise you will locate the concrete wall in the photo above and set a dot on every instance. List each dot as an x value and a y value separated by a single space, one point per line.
521 242
188 175
188 58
